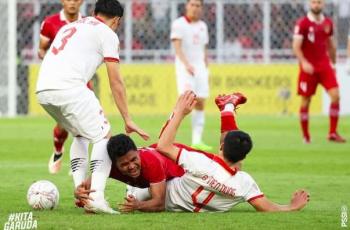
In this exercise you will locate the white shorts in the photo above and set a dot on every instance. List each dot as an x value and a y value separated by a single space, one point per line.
77 110
199 83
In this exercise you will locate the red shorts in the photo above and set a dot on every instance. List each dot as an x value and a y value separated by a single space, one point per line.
307 83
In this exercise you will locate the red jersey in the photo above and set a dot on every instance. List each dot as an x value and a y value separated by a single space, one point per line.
52 24
155 168
315 35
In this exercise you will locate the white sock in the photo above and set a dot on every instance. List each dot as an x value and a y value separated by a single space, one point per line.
100 167
198 120
79 159
141 194
229 108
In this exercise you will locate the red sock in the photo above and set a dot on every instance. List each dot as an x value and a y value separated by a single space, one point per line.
228 122
59 137
304 121
333 117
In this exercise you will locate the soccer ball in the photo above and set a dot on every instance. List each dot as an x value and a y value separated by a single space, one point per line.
43 195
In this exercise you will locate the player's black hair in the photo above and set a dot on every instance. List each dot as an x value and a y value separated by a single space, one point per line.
202 1
109 8
119 145
237 145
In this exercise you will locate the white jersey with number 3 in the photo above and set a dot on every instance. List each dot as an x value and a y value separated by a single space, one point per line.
77 51
209 184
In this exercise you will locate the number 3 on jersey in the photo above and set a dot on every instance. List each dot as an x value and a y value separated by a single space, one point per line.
70 32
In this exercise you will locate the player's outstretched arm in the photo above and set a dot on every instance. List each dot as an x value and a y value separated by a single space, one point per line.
155 204
184 106
299 199
119 95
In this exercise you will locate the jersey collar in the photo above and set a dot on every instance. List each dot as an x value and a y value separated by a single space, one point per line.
187 19
100 19
312 18
63 17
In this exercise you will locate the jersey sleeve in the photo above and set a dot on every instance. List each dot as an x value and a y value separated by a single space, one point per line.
153 170
252 190
46 30
110 47
176 31
300 30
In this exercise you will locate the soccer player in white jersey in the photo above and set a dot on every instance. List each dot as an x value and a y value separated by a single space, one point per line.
76 52
189 36
213 182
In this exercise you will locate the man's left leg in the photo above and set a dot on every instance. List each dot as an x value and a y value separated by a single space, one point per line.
198 121
334 116
328 80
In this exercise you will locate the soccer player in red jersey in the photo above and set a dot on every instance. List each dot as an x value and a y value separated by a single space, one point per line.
137 167
315 49
49 28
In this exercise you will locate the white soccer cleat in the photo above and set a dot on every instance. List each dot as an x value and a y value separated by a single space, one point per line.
99 207
55 164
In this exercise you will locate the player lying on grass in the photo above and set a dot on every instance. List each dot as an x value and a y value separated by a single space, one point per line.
213 182
216 188
140 168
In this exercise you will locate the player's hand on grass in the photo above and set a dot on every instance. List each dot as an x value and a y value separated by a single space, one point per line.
185 103
299 199
307 67
131 204
131 127
83 191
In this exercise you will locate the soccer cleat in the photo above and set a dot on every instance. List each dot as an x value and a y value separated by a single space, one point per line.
335 137
55 163
102 206
202 146
307 140
235 99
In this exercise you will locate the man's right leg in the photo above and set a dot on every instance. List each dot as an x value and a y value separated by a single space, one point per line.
227 105
304 118
100 167
59 137
79 159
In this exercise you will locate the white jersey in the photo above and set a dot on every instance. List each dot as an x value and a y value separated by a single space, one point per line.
194 37
77 51
209 184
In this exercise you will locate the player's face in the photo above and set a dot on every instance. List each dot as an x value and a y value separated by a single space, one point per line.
116 23
316 6
194 9
71 7
130 164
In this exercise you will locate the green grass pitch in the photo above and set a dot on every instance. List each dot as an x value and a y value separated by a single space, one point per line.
279 162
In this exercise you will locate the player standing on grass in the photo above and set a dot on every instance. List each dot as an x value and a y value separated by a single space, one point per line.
190 38
75 54
314 46
49 28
